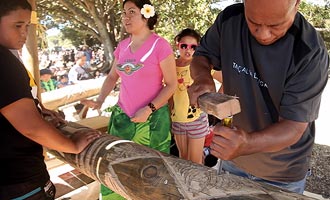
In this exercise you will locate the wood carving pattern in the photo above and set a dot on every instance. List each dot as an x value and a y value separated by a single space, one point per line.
139 173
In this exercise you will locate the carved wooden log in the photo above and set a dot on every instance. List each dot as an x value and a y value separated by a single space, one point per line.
140 173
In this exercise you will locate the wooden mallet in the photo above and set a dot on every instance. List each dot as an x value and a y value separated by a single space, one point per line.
221 106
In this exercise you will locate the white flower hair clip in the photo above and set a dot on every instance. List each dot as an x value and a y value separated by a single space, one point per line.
148 11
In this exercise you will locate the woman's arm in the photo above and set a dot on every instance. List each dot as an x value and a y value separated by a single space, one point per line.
170 83
108 85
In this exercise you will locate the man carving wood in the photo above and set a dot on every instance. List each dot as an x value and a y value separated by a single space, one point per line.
140 173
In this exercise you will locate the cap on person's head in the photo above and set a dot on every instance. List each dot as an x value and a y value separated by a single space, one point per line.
79 55
45 71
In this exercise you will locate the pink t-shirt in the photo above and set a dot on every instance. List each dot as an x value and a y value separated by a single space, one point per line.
141 76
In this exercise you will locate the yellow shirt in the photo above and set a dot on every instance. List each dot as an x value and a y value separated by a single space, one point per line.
182 112
34 87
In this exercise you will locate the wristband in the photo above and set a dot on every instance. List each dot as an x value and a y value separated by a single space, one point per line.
152 107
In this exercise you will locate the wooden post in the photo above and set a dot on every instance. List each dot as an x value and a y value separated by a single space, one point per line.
30 49
71 93
140 173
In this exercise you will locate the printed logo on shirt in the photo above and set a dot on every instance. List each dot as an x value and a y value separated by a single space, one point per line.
249 72
129 68
192 112
182 83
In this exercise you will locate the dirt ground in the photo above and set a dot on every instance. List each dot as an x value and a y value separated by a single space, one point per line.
319 181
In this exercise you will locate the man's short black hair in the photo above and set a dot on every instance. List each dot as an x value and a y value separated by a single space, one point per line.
6 6
45 71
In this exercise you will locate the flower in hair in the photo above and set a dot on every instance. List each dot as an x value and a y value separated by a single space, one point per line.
148 11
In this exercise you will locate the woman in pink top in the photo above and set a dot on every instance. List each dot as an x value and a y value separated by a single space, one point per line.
146 65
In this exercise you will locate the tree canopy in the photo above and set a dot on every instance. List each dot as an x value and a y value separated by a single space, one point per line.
96 18
318 16
100 20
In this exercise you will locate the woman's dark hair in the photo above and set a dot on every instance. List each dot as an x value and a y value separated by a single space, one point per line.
6 6
140 3
188 32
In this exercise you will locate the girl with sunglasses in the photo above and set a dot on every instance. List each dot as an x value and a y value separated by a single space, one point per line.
189 124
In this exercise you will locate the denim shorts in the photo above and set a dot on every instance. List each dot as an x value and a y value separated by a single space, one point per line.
297 186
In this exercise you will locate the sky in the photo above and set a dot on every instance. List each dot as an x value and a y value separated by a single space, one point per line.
52 32
224 3
317 2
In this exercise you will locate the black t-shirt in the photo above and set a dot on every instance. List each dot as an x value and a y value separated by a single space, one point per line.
293 70
22 159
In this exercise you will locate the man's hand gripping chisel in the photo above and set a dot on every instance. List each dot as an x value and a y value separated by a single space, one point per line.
221 106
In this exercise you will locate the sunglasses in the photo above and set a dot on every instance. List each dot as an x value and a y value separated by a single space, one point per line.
188 46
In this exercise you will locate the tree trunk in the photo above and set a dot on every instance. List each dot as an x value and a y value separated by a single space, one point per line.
140 173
